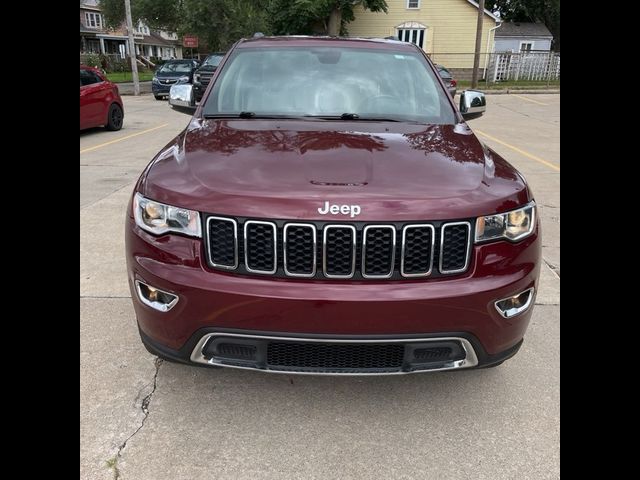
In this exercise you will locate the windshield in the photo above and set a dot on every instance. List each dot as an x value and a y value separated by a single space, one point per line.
213 60
176 67
330 81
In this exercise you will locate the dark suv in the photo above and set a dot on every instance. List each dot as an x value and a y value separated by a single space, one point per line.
328 210
170 73
203 75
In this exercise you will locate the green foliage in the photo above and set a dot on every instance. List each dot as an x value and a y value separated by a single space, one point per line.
113 12
220 23
91 60
161 14
307 17
544 11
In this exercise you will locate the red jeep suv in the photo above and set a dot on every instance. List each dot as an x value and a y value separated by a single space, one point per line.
328 210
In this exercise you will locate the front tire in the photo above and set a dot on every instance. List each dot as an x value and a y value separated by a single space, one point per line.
115 117
159 97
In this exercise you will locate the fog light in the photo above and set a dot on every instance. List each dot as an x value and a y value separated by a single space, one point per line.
512 306
155 298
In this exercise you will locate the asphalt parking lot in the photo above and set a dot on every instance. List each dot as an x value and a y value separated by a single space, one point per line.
144 419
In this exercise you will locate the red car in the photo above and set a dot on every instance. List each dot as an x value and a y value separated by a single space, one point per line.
328 210
100 102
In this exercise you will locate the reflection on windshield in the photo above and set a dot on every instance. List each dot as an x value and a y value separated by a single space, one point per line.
326 81
181 67
213 61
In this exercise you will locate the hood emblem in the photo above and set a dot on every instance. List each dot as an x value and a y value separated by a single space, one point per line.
351 210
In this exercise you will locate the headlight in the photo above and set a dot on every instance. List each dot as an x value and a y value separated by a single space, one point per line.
158 218
196 78
514 225
155 80
183 79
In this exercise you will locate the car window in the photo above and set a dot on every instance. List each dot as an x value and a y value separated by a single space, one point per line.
176 67
443 72
330 81
213 60
88 77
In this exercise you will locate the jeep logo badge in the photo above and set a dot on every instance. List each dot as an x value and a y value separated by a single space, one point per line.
351 210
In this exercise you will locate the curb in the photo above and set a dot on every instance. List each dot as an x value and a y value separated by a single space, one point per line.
527 91
126 88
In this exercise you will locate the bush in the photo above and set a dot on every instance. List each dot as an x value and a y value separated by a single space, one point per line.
157 61
91 60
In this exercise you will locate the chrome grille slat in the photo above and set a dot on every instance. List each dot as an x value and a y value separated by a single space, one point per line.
405 253
219 255
287 245
449 246
325 268
248 250
392 256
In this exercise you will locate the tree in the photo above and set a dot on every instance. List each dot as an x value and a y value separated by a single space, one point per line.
305 17
219 23
160 14
543 11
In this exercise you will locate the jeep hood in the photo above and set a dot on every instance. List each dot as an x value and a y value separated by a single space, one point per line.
289 168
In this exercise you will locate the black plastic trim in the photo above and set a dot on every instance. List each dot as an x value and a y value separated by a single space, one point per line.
183 355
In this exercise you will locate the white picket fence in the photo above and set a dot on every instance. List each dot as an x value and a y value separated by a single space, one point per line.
524 66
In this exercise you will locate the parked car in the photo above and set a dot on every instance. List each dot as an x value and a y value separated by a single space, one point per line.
100 102
170 73
328 210
204 73
448 79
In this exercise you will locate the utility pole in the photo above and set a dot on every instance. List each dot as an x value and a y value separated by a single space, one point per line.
476 56
132 49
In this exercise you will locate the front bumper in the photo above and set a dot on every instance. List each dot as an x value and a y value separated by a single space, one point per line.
460 307
198 90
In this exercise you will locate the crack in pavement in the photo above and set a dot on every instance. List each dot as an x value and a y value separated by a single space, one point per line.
113 463
554 268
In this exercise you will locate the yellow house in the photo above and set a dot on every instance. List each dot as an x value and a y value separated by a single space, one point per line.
444 29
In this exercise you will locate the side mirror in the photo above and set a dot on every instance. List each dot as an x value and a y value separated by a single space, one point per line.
472 104
181 98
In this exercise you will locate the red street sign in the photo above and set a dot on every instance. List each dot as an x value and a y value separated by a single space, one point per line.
190 41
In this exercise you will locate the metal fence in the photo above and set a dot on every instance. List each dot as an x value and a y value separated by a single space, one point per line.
503 66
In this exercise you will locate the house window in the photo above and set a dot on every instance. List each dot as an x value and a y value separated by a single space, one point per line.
413 4
412 35
526 46
142 29
93 20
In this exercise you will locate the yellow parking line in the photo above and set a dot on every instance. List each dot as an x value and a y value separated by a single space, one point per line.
529 100
123 138
526 154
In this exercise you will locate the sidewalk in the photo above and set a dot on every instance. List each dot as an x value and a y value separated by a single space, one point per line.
126 88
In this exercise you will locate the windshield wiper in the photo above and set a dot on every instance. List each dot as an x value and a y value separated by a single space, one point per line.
355 116
231 115
249 115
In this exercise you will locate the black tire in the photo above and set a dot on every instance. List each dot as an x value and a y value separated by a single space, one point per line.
115 117
159 97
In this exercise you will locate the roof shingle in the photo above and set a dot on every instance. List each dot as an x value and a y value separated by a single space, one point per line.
523 29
